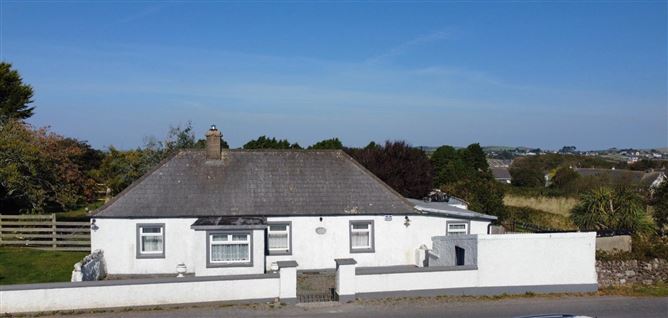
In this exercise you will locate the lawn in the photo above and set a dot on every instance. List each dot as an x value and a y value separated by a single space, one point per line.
25 266
557 205
80 214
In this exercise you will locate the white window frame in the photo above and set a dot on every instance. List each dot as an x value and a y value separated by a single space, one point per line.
287 231
229 241
464 231
140 240
370 229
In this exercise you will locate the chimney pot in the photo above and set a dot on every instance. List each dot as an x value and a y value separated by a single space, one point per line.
213 149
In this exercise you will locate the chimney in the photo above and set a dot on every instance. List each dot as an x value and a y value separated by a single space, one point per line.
213 150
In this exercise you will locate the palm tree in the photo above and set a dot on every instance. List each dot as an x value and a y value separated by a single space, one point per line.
612 209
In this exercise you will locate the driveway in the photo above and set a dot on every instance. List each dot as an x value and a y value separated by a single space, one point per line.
426 307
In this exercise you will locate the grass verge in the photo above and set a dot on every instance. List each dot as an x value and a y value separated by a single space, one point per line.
657 290
27 266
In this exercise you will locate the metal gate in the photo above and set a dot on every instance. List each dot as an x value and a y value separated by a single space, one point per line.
316 287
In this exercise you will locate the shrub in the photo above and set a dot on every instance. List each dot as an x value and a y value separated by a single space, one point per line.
612 209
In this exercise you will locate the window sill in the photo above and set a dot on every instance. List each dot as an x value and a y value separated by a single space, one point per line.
362 250
278 253
223 265
150 256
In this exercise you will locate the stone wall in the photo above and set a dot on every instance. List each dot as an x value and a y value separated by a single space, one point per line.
615 273
92 267
618 243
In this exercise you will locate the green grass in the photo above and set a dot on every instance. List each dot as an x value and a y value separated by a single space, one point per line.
657 290
26 266
79 214
541 218
555 205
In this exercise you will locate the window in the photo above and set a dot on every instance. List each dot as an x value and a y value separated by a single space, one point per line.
279 238
459 228
361 237
229 249
151 240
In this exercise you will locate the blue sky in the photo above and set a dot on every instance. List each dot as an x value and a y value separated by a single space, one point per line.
591 74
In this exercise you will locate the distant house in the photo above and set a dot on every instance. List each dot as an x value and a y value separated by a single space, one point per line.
501 174
649 180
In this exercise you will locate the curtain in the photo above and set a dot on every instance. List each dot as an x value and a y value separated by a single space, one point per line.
230 252
278 241
152 243
360 239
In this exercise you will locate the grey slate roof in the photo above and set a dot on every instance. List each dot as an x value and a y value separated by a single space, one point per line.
622 176
442 208
257 183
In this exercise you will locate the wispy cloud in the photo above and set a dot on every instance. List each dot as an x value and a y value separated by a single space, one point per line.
148 11
405 47
298 98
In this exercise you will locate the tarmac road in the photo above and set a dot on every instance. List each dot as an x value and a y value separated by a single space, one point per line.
594 306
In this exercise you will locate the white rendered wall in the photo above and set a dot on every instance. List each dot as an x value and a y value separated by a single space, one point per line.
537 259
73 298
503 261
118 239
199 256
395 243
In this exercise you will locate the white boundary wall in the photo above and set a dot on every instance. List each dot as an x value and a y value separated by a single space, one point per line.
146 292
512 263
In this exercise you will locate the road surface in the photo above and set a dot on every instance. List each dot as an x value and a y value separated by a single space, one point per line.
594 306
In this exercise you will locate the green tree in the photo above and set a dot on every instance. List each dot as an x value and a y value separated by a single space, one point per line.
264 142
180 138
612 209
475 156
43 171
448 166
483 195
119 168
404 168
659 202
464 173
564 178
15 96
333 143
526 172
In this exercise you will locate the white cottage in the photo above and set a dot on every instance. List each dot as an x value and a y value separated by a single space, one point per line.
227 212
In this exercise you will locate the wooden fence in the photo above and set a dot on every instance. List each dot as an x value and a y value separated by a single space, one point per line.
44 232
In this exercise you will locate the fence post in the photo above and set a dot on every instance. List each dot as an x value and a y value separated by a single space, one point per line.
287 283
345 279
53 231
